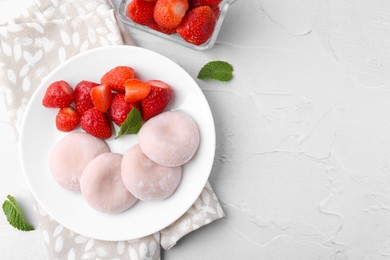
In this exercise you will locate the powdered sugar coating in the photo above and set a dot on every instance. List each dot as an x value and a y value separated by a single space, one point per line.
71 155
102 187
146 179
170 138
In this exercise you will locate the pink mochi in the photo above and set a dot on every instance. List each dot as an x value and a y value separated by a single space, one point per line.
71 155
102 187
170 138
146 179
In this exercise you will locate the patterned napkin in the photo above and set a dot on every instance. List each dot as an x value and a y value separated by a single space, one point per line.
45 35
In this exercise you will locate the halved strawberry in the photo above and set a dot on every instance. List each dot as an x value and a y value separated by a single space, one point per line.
119 108
82 95
136 90
197 25
117 77
169 13
67 119
157 100
101 97
58 94
141 11
96 123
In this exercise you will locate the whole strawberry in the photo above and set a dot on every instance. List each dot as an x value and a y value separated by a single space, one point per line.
198 25
67 119
117 77
157 100
96 123
169 13
59 94
197 3
120 108
157 27
82 95
141 11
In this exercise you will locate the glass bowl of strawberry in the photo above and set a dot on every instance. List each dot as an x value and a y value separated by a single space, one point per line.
191 23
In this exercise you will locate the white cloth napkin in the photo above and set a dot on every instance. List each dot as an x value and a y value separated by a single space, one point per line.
45 35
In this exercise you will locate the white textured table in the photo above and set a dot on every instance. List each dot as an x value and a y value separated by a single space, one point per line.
302 166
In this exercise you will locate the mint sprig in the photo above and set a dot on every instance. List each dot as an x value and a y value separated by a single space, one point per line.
132 123
218 70
15 215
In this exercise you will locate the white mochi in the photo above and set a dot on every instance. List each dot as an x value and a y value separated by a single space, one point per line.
71 155
146 179
170 138
102 187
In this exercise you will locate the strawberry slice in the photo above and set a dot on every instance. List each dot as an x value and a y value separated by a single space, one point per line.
119 108
101 97
157 100
58 94
136 90
141 11
197 25
117 77
82 95
67 119
169 13
96 123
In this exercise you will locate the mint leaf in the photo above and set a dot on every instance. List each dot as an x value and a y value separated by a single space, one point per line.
132 123
15 215
218 70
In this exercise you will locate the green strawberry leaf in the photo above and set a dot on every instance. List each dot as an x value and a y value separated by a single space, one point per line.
15 215
132 123
218 70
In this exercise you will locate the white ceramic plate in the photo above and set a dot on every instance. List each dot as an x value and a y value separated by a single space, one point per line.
39 135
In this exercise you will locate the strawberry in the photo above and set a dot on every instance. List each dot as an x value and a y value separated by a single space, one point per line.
197 3
169 13
157 27
96 123
216 11
197 25
67 119
117 77
101 97
82 96
141 11
136 90
158 98
58 94
119 108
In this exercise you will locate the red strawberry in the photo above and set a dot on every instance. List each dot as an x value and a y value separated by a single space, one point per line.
197 25
169 13
58 94
82 95
136 90
67 119
117 77
120 108
101 97
156 27
96 123
158 98
141 11
216 11
197 3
